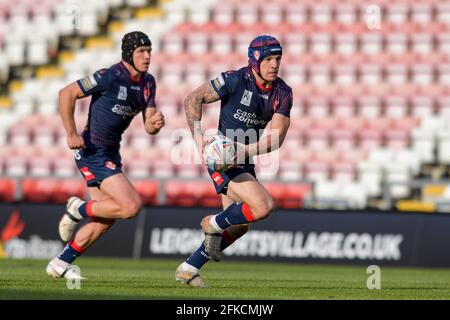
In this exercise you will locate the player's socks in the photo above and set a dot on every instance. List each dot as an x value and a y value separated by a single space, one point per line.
236 213
187 266
85 209
200 257
70 252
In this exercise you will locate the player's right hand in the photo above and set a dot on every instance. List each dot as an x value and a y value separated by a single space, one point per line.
75 141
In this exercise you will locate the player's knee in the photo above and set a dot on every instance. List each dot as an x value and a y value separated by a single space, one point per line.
264 208
131 208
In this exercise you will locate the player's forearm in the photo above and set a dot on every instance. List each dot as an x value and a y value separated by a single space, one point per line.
66 111
266 144
193 109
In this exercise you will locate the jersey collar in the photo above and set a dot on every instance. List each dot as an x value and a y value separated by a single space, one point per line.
129 74
263 87
259 85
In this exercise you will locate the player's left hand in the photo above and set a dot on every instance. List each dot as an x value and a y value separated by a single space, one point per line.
157 120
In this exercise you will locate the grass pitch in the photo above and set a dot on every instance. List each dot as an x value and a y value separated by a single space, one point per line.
154 279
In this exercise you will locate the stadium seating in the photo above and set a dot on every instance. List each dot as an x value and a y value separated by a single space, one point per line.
8 188
371 107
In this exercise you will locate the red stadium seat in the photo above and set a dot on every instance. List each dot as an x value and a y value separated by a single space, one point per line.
172 188
326 123
67 188
396 107
138 168
8 188
295 43
276 191
369 139
421 13
422 74
407 124
343 107
443 103
223 14
148 190
396 138
295 195
190 170
297 13
351 123
344 74
290 170
343 139
173 43
317 139
369 107
40 166
288 195
247 13
15 165
197 43
318 107
39 190
378 124
163 167
272 13
64 167
343 171
355 155
43 135
317 171
20 135
182 193
422 106
208 196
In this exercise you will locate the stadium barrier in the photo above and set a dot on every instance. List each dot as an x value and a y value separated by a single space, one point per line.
329 237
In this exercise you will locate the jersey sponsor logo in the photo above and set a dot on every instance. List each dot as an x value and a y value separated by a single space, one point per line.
217 178
264 96
137 88
77 154
110 165
124 111
273 50
275 105
146 92
100 72
88 175
88 83
246 98
219 82
122 93
249 118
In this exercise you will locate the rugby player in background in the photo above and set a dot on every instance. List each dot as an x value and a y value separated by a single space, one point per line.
118 94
